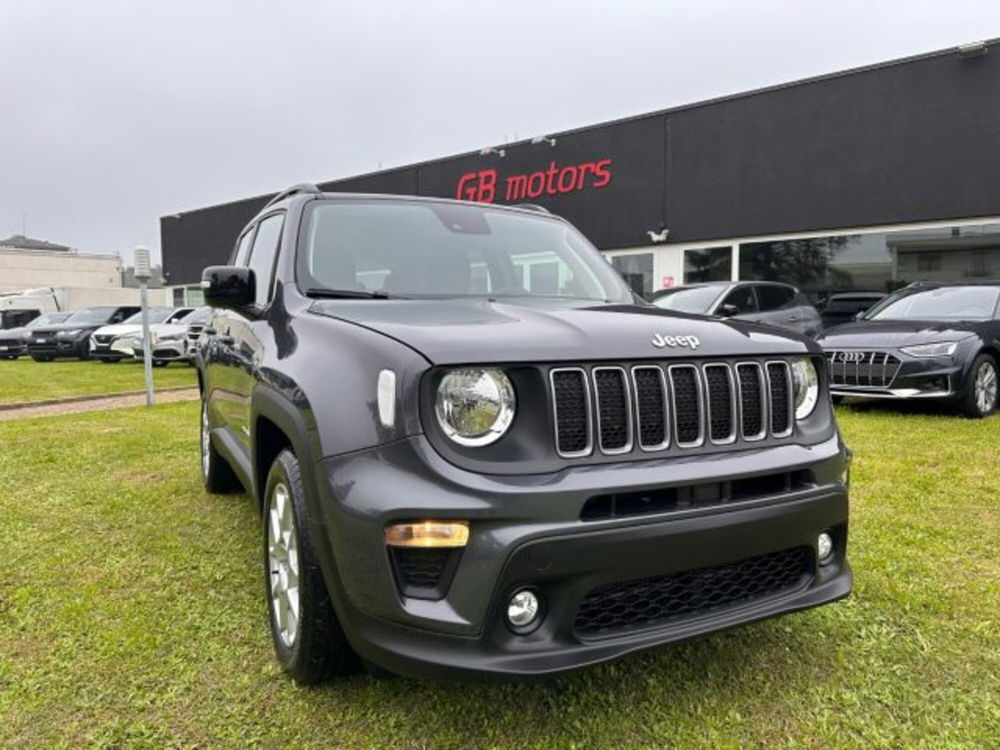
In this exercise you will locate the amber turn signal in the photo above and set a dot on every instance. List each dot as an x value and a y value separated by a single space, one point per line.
428 534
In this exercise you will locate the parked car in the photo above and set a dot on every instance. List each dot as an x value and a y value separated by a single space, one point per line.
460 473
195 333
844 307
925 341
169 339
13 340
103 340
769 302
71 338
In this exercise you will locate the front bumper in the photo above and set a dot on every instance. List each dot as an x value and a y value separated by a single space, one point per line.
917 378
11 348
57 347
527 532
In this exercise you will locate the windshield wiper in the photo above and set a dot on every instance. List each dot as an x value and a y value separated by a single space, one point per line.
347 294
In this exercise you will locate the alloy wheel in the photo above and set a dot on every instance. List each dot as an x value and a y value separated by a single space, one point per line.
283 564
986 387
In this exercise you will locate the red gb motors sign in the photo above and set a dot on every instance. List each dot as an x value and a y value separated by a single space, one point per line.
488 185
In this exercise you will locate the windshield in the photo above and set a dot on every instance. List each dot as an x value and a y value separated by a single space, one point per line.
199 315
694 299
417 248
946 302
49 319
91 316
156 315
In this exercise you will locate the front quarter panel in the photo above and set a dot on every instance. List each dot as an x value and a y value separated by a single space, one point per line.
328 369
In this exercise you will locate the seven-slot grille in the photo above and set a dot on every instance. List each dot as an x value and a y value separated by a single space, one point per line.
862 369
614 409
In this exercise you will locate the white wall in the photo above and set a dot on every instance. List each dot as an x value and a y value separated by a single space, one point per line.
30 269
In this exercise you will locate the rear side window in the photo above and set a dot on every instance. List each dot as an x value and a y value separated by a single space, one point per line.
243 248
742 298
772 297
265 248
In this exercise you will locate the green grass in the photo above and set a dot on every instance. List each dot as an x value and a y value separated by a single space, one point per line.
131 614
26 380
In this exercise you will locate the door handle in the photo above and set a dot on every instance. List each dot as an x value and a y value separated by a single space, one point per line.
793 318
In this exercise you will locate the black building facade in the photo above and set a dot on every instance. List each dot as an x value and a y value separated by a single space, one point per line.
865 179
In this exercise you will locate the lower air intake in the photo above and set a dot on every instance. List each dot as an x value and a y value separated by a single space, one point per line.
660 600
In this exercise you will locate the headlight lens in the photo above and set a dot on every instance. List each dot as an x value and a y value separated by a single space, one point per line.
942 349
805 385
168 337
475 406
72 332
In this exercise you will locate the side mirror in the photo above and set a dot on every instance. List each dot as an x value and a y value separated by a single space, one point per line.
728 311
231 287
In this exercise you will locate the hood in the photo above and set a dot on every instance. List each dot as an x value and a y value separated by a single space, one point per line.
118 329
888 334
166 329
456 331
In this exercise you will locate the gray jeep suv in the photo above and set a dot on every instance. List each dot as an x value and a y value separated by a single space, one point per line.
475 452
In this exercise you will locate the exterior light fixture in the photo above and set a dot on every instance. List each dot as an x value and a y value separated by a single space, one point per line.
543 139
491 150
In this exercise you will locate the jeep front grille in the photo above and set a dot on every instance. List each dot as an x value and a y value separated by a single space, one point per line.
652 407
862 369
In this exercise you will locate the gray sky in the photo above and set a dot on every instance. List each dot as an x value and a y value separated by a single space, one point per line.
115 113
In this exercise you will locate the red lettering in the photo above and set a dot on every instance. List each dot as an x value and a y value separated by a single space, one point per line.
564 186
481 185
517 187
602 173
478 186
534 192
463 192
550 185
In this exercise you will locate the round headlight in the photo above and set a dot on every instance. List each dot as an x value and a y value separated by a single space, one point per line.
475 407
805 383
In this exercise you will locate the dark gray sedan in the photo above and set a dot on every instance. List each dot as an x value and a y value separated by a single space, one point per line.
769 302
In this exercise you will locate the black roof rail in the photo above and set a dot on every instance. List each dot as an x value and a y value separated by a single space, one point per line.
531 207
302 187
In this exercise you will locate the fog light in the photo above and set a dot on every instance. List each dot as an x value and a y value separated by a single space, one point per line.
522 610
824 547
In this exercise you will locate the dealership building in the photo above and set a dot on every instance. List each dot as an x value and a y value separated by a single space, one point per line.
861 180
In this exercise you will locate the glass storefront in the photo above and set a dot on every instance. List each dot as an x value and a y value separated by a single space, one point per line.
637 270
708 264
876 262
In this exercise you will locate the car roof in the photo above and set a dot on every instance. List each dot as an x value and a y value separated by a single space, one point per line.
305 193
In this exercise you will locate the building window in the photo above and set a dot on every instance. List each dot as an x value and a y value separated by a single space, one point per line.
929 262
637 270
709 264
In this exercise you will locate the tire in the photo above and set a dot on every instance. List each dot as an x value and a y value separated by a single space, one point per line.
109 360
981 388
84 354
41 358
216 472
159 363
308 640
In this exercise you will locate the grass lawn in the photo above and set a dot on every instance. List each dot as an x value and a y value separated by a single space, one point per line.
131 614
26 380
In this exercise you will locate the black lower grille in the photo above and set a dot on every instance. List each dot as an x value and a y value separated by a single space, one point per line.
569 388
687 409
424 573
656 601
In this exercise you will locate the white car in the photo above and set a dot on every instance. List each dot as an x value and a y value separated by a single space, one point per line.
103 341
169 339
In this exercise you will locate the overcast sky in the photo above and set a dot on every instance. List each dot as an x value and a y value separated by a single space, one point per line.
113 114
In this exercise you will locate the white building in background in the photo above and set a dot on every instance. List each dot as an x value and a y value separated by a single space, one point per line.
43 277
26 263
